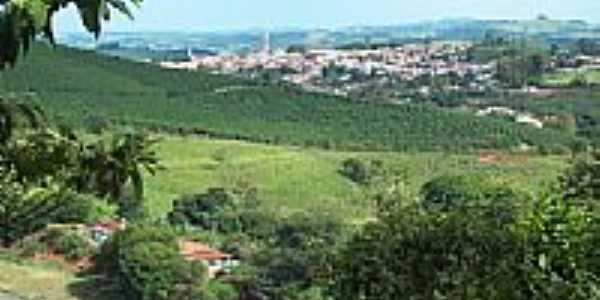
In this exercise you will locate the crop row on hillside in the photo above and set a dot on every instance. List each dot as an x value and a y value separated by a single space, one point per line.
76 86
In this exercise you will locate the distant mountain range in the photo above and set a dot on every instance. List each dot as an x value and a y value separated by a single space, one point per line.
175 45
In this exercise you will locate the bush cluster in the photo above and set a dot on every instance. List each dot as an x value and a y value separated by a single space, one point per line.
146 263
83 209
449 192
71 244
545 250
220 210
360 171
63 241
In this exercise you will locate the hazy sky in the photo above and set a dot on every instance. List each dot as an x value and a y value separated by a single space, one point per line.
201 15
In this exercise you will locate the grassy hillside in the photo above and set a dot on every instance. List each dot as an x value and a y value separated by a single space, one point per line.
49 281
79 86
292 178
287 178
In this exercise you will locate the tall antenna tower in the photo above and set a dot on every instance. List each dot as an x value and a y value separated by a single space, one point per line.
267 42
190 53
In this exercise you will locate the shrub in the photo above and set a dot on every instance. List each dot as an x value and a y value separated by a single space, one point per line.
581 180
354 170
561 250
314 293
146 262
579 81
70 244
73 246
452 192
218 209
297 254
132 208
414 254
96 124
32 247
82 208
216 290
361 172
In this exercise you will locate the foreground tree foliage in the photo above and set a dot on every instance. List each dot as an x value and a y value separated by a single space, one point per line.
549 253
417 255
296 257
40 167
22 20
40 164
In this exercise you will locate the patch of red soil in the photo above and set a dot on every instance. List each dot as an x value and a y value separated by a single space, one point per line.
498 158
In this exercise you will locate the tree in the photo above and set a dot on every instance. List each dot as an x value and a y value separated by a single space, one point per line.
549 253
40 166
146 263
581 180
107 168
217 210
33 165
296 258
450 192
414 254
362 172
22 20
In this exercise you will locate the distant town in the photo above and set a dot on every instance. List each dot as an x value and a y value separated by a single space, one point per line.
341 71
445 72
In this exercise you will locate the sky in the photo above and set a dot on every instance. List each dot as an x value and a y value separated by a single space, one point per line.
225 15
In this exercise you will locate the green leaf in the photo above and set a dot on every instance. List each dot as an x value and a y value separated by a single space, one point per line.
22 20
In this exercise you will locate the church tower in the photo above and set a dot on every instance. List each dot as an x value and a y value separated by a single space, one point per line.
267 43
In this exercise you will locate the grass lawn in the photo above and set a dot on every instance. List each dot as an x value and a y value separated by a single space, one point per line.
289 178
38 280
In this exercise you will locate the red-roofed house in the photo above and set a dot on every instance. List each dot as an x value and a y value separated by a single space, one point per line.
102 231
216 261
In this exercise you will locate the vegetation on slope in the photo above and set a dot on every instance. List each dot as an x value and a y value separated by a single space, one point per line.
573 110
49 280
81 88
290 179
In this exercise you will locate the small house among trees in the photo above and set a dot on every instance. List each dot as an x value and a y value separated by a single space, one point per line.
217 262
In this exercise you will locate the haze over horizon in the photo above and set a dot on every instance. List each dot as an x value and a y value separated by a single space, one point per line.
231 15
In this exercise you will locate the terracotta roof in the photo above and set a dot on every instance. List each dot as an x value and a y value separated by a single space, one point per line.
198 251
109 225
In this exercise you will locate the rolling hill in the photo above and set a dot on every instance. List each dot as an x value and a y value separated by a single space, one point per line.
80 88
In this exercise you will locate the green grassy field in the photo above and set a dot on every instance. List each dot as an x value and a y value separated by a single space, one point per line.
43 280
564 79
287 178
35 281
293 178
